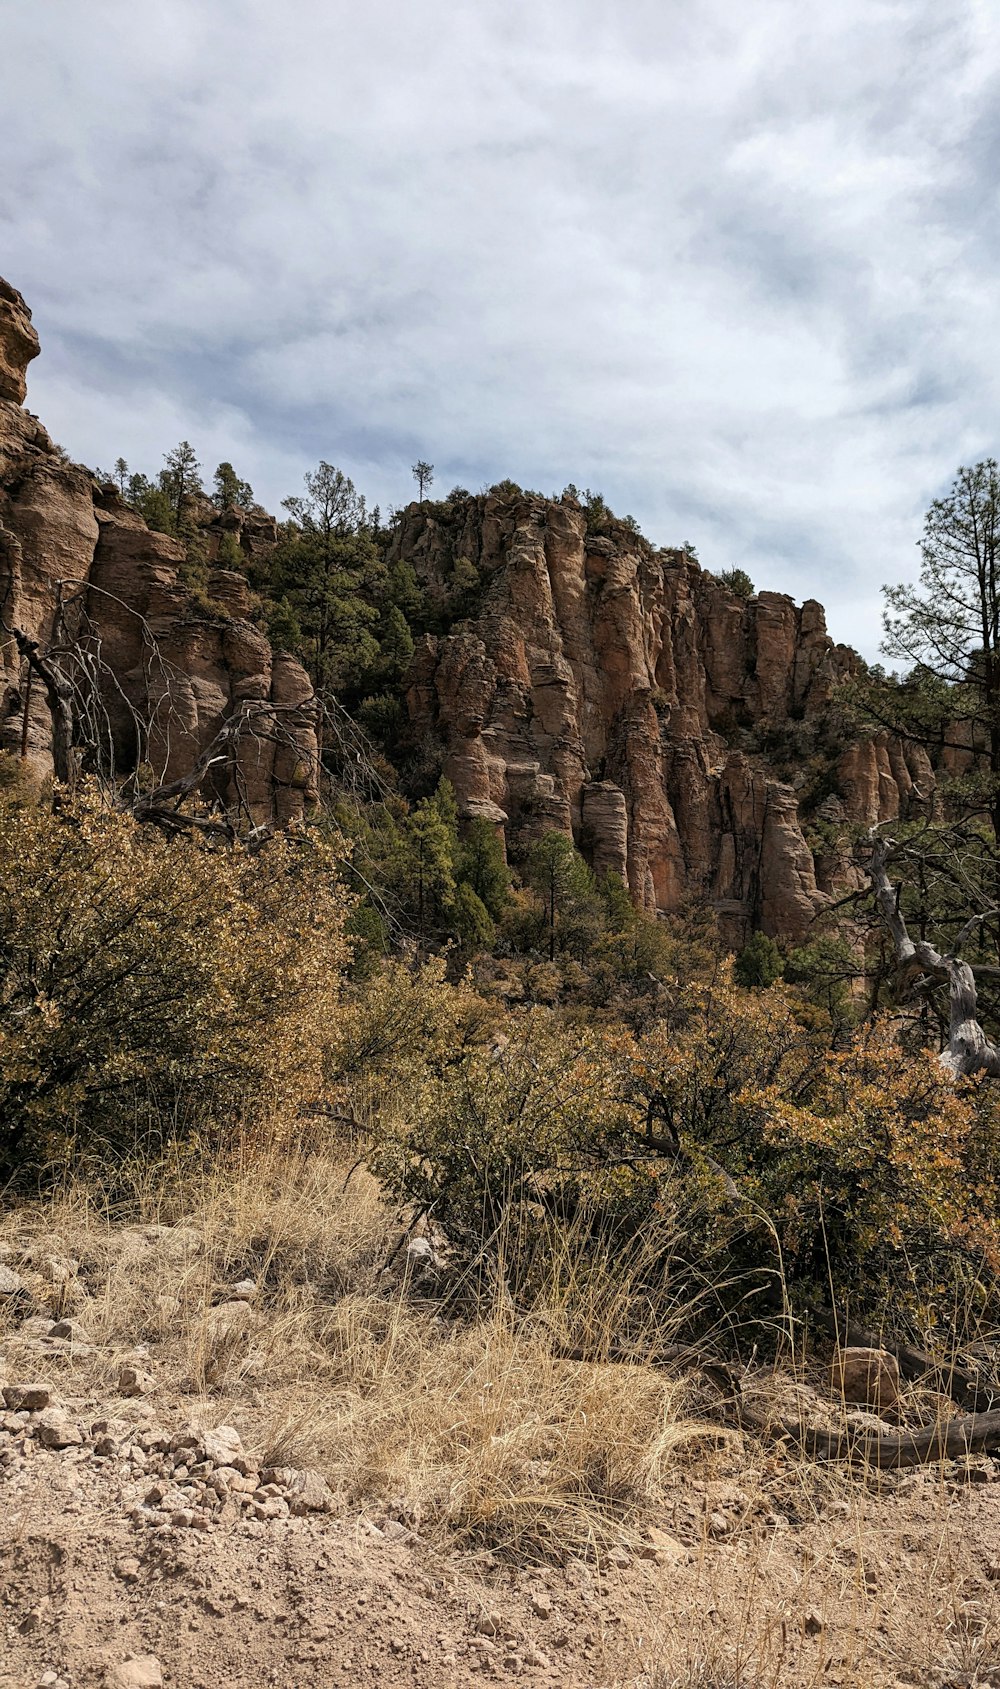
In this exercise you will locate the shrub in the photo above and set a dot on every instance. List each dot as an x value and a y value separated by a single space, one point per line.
759 963
191 984
789 1173
738 582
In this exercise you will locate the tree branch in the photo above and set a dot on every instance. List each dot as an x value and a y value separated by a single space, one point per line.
968 1050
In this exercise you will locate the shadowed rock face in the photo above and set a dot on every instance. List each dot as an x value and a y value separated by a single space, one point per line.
599 688
169 669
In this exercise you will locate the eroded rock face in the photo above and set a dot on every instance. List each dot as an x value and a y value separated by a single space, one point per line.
603 687
18 343
74 556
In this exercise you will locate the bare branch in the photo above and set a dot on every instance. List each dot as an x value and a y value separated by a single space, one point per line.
968 1050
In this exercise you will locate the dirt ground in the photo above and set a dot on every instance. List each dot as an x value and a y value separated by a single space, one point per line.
208 1479
894 1587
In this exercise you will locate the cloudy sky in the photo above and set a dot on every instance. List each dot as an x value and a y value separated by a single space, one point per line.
733 265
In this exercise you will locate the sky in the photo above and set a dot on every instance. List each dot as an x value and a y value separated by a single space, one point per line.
733 266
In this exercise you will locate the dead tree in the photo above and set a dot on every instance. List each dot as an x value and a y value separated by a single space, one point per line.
76 677
59 693
967 1050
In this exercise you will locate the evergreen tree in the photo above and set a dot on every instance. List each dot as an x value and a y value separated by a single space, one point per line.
230 492
759 964
327 568
946 629
230 555
470 920
562 880
395 644
152 503
423 474
620 912
738 581
480 864
431 838
181 476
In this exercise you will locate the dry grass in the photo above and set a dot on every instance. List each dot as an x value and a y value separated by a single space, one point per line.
475 1428
474 1431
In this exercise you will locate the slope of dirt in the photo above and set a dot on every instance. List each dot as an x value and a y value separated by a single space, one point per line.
104 1559
235 1448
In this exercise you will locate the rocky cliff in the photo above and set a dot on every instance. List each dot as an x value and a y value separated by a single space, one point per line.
155 676
624 695
583 680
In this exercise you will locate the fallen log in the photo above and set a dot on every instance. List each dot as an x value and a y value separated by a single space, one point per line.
948 1439
971 1433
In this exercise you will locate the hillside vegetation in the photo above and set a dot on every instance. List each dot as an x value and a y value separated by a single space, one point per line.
541 1206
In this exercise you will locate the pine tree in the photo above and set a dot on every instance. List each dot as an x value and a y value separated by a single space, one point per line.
181 477
230 492
947 628
480 864
324 567
561 878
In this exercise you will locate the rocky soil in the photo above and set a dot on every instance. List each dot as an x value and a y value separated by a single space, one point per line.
143 1541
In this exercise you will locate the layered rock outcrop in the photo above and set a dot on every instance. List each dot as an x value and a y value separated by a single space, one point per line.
591 682
157 676
617 692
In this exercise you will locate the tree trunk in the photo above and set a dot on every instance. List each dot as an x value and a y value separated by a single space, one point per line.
968 1050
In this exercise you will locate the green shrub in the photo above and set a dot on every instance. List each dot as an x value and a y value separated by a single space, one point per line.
139 973
759 963
738 582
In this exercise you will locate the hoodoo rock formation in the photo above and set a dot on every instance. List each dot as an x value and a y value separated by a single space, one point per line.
626 696
583 680
156 673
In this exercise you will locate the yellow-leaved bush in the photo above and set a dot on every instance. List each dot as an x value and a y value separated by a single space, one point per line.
783 1166
156 985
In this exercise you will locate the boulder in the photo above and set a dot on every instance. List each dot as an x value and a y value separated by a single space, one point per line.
11 1283
223 1446
143 1671
869 1377
134 1381
55 1429
26 1398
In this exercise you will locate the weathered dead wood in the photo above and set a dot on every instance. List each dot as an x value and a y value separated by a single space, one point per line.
60 697
968 1049
971 1433
949 1439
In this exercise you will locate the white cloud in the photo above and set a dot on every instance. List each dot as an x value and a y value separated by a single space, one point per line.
732 265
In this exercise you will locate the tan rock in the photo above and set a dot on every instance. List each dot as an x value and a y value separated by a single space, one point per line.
18 344
55 1429
596 691
143 1671
135 1381
26 1398
177 670
223 1446
867 1376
